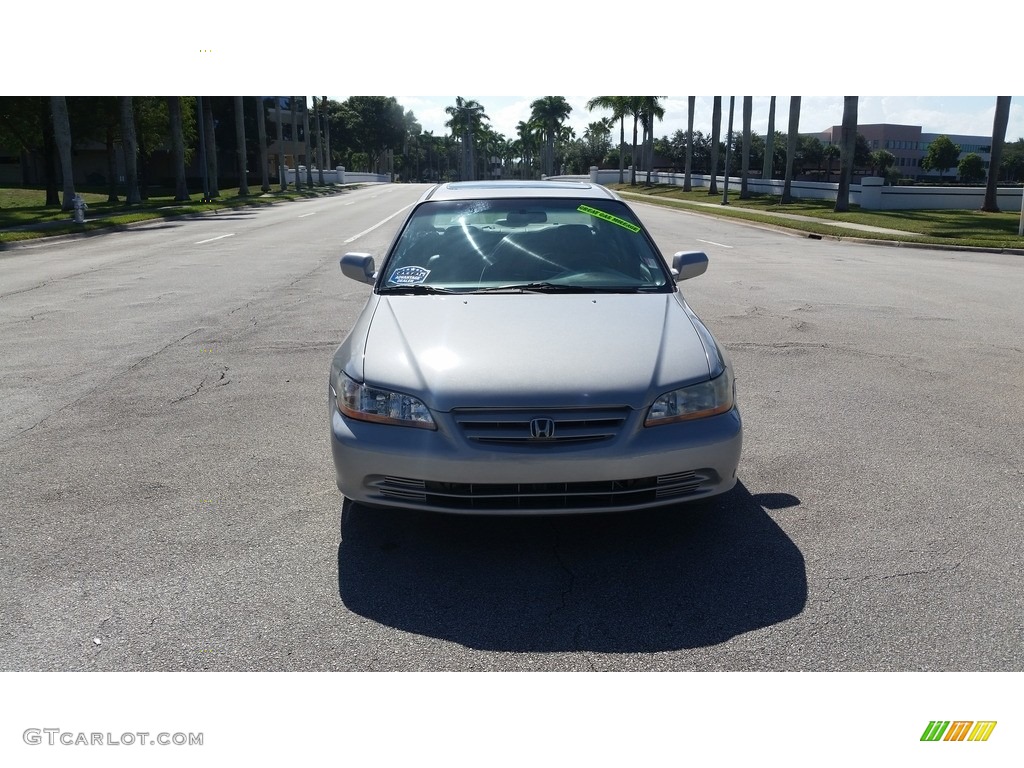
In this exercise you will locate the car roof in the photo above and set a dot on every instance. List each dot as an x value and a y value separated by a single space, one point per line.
485 190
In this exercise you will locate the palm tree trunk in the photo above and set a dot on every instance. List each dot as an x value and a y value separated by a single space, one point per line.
130 149
261 136
716 137
648 149
847 146
622 149
728 151
769 144
62 136
327 136
632 157
295 137
999 122
243 176
791 144
282 163
748 110
309 145
317 108
211 148
178 143
691 102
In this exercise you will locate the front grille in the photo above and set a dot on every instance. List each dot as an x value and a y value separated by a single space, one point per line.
566 425
605 494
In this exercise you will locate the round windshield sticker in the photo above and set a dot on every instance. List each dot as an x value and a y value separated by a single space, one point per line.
408 276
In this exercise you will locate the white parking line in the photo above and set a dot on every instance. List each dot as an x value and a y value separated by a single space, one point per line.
379 223
712 242
219 237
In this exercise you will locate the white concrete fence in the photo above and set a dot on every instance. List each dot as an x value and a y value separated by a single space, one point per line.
337 176
871 194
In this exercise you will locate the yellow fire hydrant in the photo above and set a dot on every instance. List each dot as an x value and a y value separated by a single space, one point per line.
80 206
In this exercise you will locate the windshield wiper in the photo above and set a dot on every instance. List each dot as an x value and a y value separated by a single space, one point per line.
415 288
544 287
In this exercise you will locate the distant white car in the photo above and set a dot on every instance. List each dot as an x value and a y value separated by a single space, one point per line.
526 350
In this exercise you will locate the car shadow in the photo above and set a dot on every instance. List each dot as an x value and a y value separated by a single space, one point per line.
675 578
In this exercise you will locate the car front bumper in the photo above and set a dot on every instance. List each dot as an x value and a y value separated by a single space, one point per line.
442 470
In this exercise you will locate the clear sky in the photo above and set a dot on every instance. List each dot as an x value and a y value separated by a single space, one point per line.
539 48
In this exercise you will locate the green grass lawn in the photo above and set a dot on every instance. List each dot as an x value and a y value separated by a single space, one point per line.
21 207
933 227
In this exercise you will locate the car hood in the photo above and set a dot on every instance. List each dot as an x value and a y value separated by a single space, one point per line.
538 350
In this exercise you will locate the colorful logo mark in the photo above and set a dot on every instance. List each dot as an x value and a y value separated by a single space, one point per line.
958 730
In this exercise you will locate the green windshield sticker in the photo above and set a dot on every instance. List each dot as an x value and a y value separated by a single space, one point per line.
608 217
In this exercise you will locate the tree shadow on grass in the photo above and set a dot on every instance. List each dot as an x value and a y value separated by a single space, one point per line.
676 578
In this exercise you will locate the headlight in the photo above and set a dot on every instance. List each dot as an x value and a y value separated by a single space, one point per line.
696 402
366 403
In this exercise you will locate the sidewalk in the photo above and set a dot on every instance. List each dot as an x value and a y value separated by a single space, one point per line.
793 216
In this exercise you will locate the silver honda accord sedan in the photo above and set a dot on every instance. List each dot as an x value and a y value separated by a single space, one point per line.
526 350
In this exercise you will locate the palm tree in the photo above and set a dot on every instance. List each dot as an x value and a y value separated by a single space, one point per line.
526 133
327 135
549 113
131 149
261 136
1002 117
728 151
748 111
650 110
618 106
317 109
62 134
634 106
243 176
282 164
293 101
791 144
716 137
691 102
769 144
847 147
831 152
211 147
178 143
466 118
309 150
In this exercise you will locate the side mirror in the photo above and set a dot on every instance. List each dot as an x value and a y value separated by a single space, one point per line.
687 264
359 267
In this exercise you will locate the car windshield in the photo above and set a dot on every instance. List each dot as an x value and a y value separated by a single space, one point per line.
542 244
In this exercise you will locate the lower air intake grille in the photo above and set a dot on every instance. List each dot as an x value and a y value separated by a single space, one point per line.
605 494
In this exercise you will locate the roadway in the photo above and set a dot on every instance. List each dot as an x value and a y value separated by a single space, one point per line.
170 502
